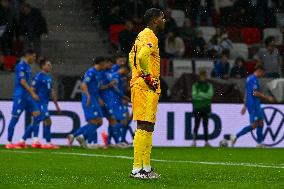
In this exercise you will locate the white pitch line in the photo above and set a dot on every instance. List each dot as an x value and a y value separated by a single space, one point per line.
261 165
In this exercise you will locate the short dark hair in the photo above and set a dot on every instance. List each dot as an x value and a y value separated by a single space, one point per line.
120 55
151 14
28 52
42 62
259 67
99 59
268 40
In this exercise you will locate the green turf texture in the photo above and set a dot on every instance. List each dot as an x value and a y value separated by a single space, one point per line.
46 169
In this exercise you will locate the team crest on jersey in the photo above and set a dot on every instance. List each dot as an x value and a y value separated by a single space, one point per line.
33 83
95 113
22 74
150 45
88 79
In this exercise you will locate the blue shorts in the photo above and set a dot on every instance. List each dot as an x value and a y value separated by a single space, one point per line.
118 111
21 104
44 113
256 115
107 111
93 111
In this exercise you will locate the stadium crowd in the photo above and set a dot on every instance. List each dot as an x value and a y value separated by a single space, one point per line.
22 26
215 29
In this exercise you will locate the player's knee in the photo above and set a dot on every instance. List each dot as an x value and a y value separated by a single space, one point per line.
36 114
144 125
48 122
254 125
98 121
112 122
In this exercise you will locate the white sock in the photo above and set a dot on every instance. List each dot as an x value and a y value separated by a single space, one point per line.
147 168
22 140
36 139
135 170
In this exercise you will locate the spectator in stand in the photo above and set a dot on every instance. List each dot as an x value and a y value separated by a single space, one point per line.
239 69
269 57
221 67
32 27
9 22
174 45
199 44
127 37
225 9
201 11
220 41
188 32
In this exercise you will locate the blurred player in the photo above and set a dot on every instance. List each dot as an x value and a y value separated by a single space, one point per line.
22 93
91 103
253 105
42 85
120 60
145 91
118 103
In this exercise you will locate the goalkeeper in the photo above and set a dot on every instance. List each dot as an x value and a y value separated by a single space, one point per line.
145 90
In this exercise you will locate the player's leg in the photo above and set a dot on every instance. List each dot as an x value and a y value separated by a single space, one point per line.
47 134
18 107
145 104
91 133
246 129
197 120
37 118
205 118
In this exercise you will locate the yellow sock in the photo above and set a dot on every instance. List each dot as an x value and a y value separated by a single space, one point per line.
139 145
147 151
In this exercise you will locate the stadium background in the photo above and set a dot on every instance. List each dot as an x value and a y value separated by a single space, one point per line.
73 32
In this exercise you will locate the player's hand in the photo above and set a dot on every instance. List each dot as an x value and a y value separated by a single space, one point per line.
243 111
101 102
153 83
271 99
35 97
125 100
88 100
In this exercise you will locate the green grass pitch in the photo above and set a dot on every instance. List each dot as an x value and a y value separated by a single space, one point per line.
179 168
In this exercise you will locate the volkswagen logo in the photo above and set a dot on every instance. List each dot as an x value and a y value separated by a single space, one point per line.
273 130
2 123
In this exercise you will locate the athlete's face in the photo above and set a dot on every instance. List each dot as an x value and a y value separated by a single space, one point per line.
121 61
160 21
101 66
259 73
47 67
108 65
31 58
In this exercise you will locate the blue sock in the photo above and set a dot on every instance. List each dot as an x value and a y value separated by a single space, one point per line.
91 134
244 131
47 133
36 122
116 132
110 133
81 130
259 134
28 132
11 127
124 129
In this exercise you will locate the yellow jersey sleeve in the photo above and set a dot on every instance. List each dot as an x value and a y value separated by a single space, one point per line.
144 57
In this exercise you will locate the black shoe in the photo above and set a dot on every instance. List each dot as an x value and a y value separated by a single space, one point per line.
142 174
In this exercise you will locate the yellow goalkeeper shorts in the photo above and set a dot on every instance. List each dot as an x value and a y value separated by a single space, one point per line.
144 104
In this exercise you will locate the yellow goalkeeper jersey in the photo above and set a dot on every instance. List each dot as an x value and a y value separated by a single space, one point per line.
146 38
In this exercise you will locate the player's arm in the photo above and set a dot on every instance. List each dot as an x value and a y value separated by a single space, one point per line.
244 108
208 94
86 91
262 96
29 89
55 100
144 62
108 86
194 92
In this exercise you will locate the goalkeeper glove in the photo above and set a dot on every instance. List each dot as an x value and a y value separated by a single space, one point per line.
151 82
